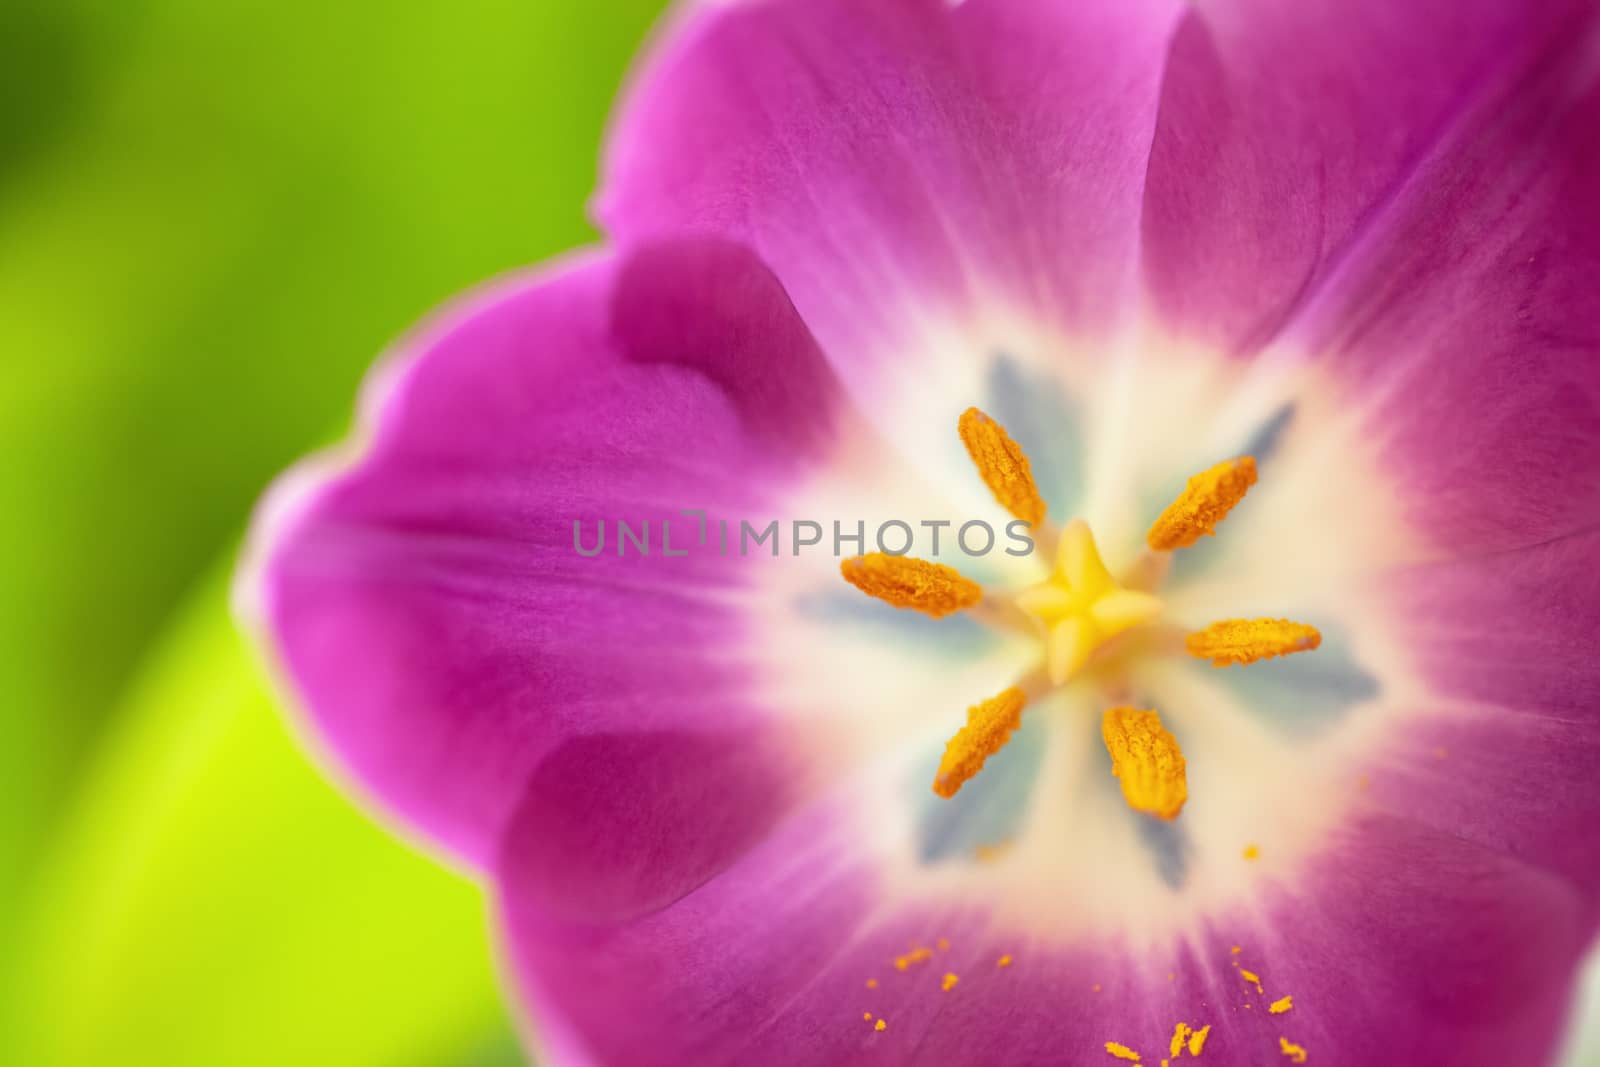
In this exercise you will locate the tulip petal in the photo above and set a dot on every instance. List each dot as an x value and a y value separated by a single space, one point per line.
899 161
428 602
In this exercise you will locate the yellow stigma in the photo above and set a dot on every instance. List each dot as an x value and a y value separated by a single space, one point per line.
1081 606
1002 464
989 726
931 588
1249 640
1204 503
1147 760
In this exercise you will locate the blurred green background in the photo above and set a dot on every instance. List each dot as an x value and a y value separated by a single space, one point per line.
213 215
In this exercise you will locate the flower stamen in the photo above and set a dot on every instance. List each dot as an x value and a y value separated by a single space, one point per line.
931 588
1248 640
989 726
1202 505
1003 466
1146 759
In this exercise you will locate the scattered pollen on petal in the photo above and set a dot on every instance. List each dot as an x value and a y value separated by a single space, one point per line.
989 726
1248 640
1145 757
1097 987
1197 1039
916 955
866 1015
1252 978
1252 852
1003 961
942 944
872 983
880 1025
931 588
1278 1007
1235 950
1204 503
1180 1034
1122 1052
949 982
1002 464
1295 1053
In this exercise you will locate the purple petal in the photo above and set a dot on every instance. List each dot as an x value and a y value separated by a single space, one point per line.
1472 328
1397 940
1512 642
429 604
891 159
1286 129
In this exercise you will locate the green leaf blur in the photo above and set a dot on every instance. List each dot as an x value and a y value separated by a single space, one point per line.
213 216
213 899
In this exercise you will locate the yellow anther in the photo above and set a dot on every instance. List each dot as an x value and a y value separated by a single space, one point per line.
989 726
1278 1007
1179 1035
1206 501
1122 1052
1197 1039
931 588
1002 464
949 982
1248 640
1295 1053
1147 760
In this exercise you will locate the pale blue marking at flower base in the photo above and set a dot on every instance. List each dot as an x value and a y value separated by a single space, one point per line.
1262 443
988 809
1305 693
957 634
1045 423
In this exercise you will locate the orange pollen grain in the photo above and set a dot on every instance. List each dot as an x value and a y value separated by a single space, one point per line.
916 955
1204 503
989 726
931 588
1002 464
1248 640
1146 759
